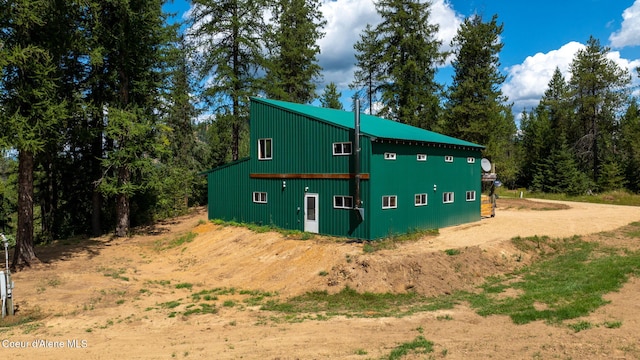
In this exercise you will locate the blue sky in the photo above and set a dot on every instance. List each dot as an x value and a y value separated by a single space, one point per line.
538 36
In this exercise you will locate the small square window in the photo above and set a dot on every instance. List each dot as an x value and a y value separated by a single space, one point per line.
264 149
342 148
343 202
389 202
471 196
448 158
421 157
389 156
259 197
421 199
471 160
447 197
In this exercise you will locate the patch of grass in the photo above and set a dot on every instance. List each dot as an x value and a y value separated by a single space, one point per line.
349 302
618 197
170 304
323 273
391 241
167 244
184 286
419 345
580 325
112 273
21 318
569 284
203 309
452 252
444 317
612 324
361 352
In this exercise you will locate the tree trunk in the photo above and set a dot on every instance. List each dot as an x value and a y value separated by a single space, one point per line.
24 253
122 204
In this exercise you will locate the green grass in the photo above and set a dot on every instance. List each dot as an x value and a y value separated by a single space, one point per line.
419 345
568 283
112 273
351 303
452 252
166 244
257 228
618 197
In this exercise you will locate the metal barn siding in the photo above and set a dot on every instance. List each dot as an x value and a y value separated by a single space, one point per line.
300 144
227 186
285 205
405 177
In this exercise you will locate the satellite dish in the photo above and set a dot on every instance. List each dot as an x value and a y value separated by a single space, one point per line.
485 164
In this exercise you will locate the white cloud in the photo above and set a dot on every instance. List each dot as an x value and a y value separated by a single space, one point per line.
628 33
346 20
527 82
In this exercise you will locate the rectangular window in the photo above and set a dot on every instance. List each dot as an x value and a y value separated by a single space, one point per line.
342 148
448 158
471 160
471 196
389 156
447 198
264 149
389 202
259 197
421 157
343 202
421 199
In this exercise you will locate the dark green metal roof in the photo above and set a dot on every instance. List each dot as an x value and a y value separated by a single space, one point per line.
371 126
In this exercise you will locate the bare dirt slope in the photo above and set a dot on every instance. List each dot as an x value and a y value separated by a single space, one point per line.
131 298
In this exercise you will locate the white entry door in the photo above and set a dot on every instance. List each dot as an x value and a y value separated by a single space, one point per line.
311 213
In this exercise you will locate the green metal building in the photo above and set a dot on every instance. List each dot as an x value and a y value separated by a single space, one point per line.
304 172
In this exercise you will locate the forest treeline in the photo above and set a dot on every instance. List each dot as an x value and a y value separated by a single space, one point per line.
110 110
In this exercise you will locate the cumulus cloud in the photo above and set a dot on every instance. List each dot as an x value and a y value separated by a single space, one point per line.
346 19
628 33
527 82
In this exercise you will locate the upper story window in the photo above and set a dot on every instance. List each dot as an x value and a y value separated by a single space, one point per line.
343 202
421 157
471 160
259 197
447 197
342 148
264 149
448 158
389 156
471 196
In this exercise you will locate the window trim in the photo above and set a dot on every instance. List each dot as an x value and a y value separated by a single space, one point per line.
342 152
422 196
389 197
448 158
421 157
344 205
471 160
473 195
389 156
448 197
257 198
262 156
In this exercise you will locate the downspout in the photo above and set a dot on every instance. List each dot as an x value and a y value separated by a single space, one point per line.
356 142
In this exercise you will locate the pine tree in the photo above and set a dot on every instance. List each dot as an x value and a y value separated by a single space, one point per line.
475 108
229 36
409 56
293 70
331 97
31 111
630 145
599 90
368 67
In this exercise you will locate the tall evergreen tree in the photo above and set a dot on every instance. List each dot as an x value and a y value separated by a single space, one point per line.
368 72
133 54
331 97
293 70
630 145
229 36
31 111
476 110
409 56
599 89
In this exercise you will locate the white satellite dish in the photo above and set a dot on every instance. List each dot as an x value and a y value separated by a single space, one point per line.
485 164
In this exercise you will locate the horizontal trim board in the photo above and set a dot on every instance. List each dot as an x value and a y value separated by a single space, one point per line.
308 176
